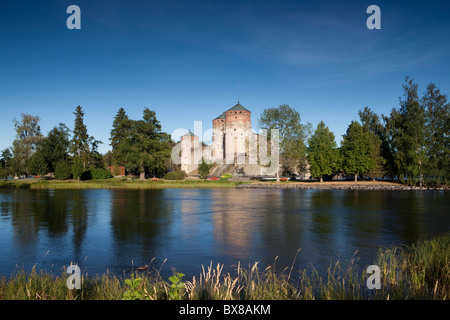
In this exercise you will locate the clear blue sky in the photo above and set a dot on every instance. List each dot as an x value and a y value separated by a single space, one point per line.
185 59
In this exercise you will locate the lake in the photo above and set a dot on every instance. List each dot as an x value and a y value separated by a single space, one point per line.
118 229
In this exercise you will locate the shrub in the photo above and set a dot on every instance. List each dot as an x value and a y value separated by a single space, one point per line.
86 175
77 168
101 173
204 168
175 175
225 177
63 171
37 164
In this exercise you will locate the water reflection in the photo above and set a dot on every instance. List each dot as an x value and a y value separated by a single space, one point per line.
113 229
139 218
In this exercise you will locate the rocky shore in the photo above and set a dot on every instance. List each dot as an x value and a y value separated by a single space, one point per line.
334 186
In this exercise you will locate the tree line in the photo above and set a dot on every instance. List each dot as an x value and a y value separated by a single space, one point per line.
411 144
138 144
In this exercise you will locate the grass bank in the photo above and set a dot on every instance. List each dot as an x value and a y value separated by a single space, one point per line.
116 183
420 271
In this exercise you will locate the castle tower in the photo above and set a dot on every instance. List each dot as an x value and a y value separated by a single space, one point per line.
230 135
190 148
237 128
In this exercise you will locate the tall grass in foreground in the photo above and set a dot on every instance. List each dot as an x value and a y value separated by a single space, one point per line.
421 271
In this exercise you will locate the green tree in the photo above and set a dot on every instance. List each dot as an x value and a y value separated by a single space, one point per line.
5 161
356 151
437 138
146 146
372 127
77 168
409 135
323 154
63 170
95 157
80 143
119 132
292 135
203 168
83 146
37 164
6 158
55 146
28 137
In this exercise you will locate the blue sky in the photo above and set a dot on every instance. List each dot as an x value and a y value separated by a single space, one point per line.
186 59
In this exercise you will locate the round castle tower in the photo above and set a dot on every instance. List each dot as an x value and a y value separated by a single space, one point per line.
230 133
189 148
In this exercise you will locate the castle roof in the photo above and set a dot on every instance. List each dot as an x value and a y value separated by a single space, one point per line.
189 134
222 116
238 107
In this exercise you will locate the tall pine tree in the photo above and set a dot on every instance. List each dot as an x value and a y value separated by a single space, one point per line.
437 135
147 146
374 130
409 135
356 151
80 143
323 155
119 132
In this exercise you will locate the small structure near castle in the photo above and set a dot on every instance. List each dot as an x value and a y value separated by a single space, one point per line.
190 151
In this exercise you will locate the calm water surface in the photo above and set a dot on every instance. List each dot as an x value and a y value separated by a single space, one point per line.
109 229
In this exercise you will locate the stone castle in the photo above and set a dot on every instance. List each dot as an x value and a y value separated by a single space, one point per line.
231 143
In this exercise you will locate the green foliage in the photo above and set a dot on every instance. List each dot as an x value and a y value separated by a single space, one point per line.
63 171
175 175
203 168
119 132
3 173
146 146
323 155
37 164
86 175
100 173
292 135
77 168
437 138
225 177
28 137
380 155
409 142
134 291
176 291
356 150
55 146
80 139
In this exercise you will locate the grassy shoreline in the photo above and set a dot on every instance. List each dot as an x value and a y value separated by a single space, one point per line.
420 271
118 183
